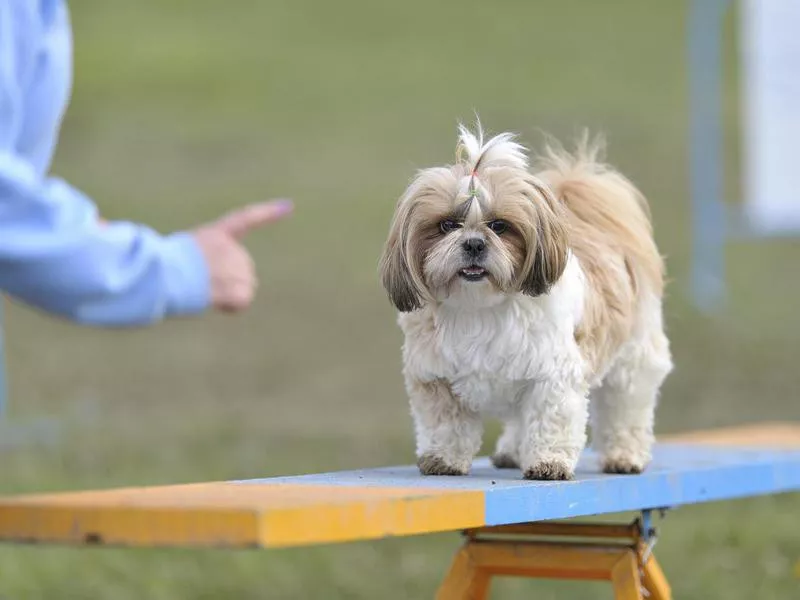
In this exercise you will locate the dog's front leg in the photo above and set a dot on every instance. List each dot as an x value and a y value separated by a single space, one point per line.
554 419
448 433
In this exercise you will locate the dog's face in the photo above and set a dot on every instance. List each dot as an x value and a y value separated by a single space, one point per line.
475 231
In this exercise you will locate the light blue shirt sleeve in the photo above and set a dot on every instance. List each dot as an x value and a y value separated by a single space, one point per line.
54 254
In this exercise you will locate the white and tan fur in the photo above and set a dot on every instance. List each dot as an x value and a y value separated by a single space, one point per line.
556 300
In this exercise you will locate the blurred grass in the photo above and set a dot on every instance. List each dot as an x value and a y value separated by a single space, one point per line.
182 110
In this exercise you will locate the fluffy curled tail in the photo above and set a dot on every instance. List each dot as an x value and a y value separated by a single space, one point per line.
605 209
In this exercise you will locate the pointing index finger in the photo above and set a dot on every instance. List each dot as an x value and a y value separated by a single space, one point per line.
244 220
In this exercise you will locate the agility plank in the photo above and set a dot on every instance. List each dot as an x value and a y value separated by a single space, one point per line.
397 501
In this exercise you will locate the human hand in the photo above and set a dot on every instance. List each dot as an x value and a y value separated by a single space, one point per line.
230 266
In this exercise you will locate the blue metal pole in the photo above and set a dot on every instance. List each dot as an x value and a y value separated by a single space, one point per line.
3 380
706 157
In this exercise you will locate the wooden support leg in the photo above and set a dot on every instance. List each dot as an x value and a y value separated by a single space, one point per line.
465 581
625 578
655 582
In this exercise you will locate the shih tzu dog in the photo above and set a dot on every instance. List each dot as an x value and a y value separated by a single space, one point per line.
533 296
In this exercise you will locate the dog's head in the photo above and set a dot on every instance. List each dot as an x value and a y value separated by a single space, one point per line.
474 231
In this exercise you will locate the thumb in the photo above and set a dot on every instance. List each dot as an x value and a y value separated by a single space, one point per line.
243 220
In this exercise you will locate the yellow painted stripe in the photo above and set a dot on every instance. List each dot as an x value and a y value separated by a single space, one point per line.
236 515
129 526
763 435
407 514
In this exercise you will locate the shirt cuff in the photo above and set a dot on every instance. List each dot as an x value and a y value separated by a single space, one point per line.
187 277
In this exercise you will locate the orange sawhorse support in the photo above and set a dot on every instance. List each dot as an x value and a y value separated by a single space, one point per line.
619 553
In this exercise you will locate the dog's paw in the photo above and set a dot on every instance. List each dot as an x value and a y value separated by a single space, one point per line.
622 466
502 460
549 471
430 464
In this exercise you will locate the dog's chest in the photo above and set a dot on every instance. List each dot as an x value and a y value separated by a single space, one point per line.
487 356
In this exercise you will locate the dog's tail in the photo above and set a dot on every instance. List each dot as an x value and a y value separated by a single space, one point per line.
606 211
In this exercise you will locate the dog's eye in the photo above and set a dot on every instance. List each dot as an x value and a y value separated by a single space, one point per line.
448 225
498 226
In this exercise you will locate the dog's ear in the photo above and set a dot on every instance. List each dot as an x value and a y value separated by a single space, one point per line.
395 271
547 245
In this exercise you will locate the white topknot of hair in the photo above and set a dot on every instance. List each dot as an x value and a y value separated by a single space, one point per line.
499 151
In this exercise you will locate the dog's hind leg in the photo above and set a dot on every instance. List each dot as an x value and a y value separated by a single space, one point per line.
506 454
622 409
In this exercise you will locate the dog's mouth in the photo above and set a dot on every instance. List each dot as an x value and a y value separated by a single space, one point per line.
473 273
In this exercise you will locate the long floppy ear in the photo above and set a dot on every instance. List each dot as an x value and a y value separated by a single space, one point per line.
395 272
548 250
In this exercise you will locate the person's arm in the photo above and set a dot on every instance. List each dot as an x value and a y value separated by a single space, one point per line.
56 255
55 252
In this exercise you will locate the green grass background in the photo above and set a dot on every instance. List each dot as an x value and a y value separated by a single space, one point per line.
182 110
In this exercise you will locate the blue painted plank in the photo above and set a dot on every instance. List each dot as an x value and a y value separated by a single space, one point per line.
679 474
659 486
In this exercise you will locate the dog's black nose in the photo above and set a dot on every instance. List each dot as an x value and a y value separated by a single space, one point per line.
474 246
